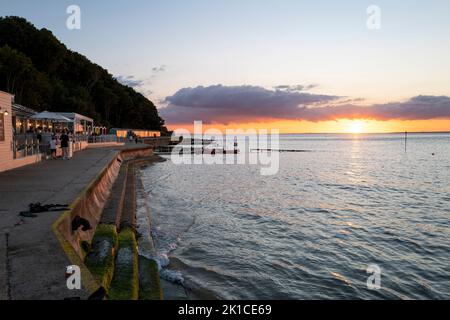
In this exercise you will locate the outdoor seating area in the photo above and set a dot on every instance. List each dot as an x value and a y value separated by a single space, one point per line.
47 133
27 136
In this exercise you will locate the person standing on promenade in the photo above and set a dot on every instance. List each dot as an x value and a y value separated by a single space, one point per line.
46 138
53 143
65 145
71 144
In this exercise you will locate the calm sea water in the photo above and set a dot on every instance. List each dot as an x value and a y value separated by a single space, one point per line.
310 231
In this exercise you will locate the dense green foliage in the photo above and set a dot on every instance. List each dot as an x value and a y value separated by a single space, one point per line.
44 75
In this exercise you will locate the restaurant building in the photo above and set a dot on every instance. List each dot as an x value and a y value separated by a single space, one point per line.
8 158
79 124
140 133
19 125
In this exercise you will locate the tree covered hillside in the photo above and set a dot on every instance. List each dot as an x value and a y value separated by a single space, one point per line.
44 75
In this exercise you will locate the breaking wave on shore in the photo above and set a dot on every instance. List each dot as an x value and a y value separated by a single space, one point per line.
146 238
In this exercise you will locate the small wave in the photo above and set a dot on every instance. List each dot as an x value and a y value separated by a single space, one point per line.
172 276
163 261
341 278
146 247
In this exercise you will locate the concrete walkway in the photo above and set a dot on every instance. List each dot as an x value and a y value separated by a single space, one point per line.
32 263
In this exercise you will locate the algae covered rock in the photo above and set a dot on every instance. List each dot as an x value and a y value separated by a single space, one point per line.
100 259
125 282
149 282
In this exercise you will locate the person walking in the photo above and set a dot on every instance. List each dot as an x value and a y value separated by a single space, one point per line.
65 145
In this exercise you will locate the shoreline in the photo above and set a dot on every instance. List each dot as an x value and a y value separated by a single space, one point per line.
172 290
115 251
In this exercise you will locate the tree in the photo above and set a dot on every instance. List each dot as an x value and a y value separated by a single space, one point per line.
14 68
45 75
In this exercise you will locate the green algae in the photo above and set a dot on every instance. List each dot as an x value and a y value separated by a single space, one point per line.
100 260
149 282
125 282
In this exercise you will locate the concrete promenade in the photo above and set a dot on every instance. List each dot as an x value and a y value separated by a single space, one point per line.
32 263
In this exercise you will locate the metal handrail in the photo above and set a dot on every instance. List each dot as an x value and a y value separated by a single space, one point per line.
28 144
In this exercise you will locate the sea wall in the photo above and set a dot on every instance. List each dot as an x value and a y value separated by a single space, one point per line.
89 205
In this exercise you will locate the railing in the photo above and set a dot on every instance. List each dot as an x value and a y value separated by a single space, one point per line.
81 138
25 145
106 138
95 139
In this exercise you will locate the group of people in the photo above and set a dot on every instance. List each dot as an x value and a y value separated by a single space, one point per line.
133 137
50 140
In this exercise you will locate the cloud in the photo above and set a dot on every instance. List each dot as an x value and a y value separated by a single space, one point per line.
296 88
159 69
237 104
421 107
225 104
141 84
131 81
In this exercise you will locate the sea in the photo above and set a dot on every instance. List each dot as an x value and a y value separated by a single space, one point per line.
352 216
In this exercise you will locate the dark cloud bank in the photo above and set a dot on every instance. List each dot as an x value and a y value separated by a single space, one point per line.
225 104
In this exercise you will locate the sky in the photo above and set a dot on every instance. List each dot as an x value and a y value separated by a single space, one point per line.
299 66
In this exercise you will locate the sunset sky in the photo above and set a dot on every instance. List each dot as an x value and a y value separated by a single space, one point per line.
299 66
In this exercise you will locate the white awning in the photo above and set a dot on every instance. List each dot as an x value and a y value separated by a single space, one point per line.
50 116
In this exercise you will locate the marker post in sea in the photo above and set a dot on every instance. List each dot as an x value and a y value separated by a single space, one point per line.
406 140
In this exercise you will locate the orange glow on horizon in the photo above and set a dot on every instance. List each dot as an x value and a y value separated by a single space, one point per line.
356 126
340 126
